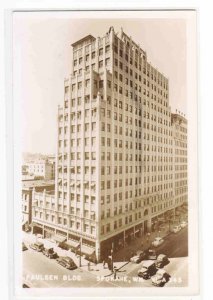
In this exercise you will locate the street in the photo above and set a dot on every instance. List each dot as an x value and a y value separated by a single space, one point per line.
40 271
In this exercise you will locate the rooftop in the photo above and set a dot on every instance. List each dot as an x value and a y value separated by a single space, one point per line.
88 37
36 183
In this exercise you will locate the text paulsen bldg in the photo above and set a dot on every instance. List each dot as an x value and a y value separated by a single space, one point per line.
121 161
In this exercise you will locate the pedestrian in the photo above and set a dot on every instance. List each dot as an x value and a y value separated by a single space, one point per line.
115 273
104 262
88 266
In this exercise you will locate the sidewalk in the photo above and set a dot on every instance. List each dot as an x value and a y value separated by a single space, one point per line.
100 270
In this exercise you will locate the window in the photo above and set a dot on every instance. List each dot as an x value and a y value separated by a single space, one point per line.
101 84
109 83
93 141
79 85
107 61
102 185
101 64
101 51
86 126
107 48
87 82
86 155
93 156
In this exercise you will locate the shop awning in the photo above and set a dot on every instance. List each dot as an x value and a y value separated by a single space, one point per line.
36 225
59 238
87 250
72 243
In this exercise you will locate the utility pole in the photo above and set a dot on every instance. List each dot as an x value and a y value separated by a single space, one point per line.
80 251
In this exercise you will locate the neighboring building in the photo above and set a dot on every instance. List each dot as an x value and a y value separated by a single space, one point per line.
116 157
51 159
24 170
42 169
180 178
27 190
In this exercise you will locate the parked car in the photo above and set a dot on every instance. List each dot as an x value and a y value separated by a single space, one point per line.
49 252
24 247
151 254
140 255
157 241
160 278
176 228
37 246
161 261
148 269
66 262
183 224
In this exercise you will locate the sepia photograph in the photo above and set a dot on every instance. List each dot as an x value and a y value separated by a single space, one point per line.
107 168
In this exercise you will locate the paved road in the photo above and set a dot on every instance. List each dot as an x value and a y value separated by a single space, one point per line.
175 245
176 248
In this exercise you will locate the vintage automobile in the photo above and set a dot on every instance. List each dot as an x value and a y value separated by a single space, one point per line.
140 255
176 229
183 224
49 252
157 241
148 269
37 246
24 247
160 278
161 261
66 262
151 254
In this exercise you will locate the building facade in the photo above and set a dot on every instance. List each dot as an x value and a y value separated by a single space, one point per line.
116 167
27 194
41 168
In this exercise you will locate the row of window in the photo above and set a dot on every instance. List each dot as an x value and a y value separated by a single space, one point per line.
64 221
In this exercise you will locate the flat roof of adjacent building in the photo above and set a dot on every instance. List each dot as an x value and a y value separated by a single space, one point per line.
26 184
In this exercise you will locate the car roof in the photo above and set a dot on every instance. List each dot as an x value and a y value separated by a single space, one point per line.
161 255
139 252
152 250
158 238
147 263
39 244
161 271
67 258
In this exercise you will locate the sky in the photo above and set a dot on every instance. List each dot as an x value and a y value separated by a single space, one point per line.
42 59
